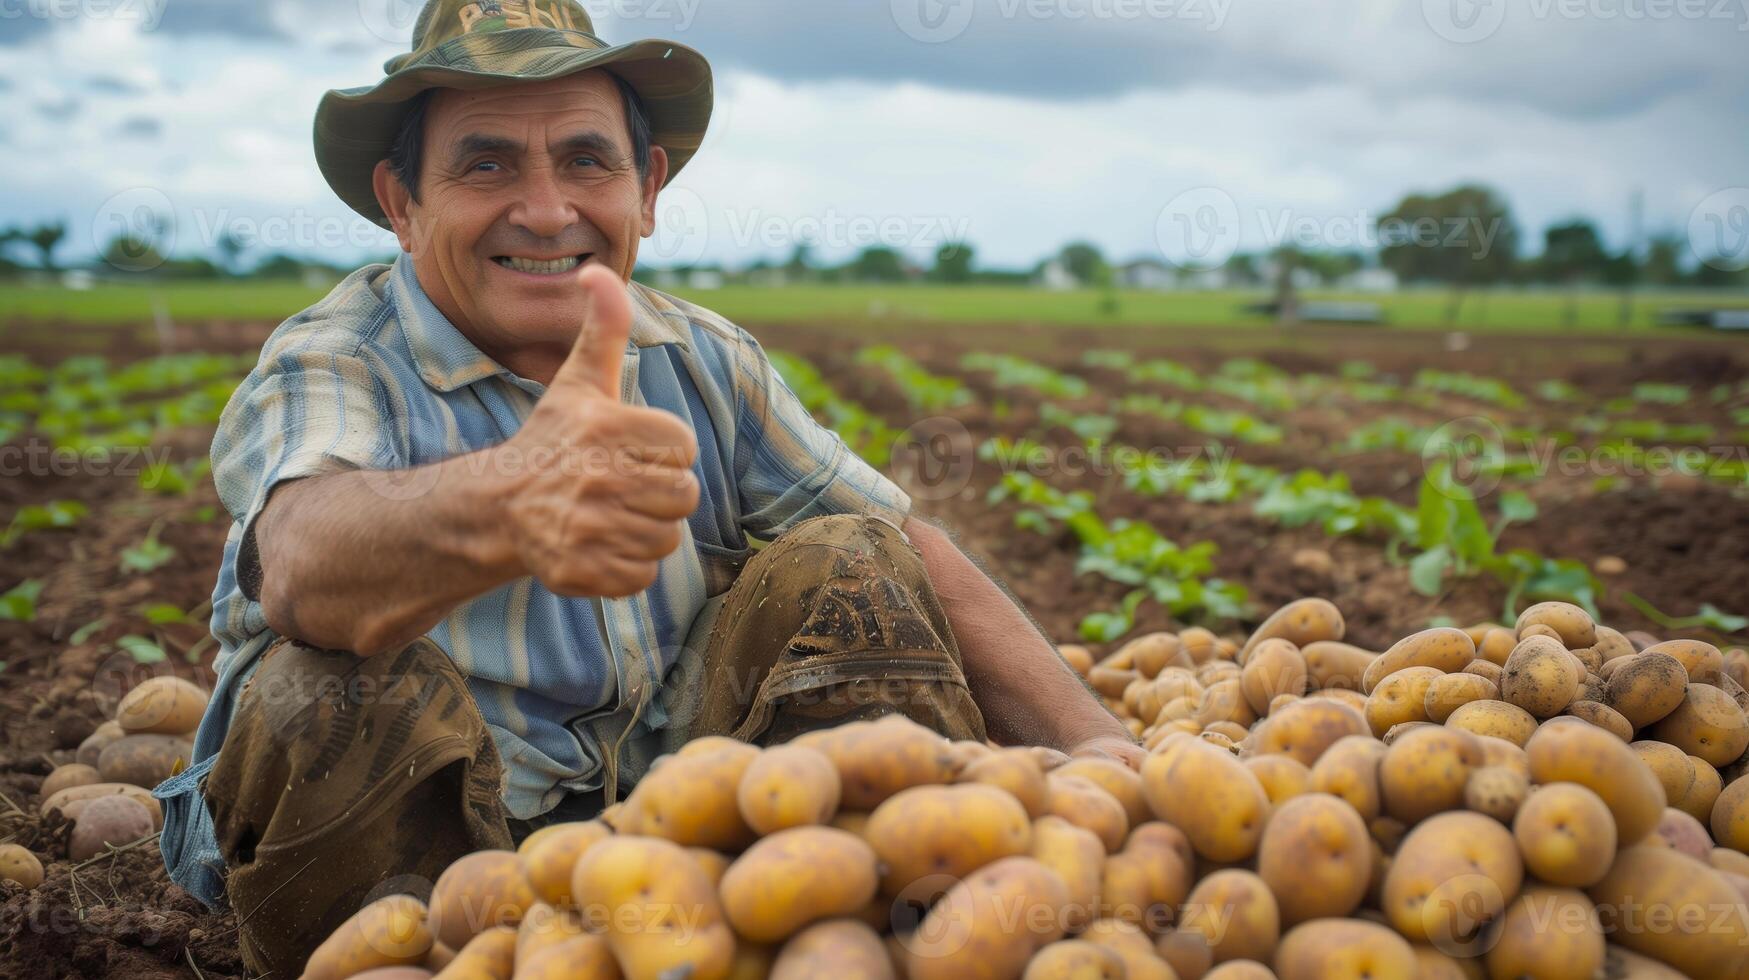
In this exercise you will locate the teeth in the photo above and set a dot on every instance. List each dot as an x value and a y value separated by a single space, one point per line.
538 266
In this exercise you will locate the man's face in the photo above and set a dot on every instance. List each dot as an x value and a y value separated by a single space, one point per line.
518 186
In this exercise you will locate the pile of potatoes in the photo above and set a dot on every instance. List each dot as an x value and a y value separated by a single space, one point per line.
1532 801
106 793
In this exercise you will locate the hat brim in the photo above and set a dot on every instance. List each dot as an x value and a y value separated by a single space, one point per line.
355 127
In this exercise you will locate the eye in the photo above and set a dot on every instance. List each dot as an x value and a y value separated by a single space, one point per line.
485 166
587 161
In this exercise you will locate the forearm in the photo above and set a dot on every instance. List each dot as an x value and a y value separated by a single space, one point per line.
1028 694
369 561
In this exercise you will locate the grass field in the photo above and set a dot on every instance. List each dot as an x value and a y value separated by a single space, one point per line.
1499 310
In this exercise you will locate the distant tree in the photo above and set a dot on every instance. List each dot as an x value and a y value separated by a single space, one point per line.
1465 237
231 249
953 262
1663 265
800 265
1573 253
877 263
1623 271
130 253
1083 261
46 237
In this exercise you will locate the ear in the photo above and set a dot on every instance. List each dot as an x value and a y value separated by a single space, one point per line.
652 185
393 198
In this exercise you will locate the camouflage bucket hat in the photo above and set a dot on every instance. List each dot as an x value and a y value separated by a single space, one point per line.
473 44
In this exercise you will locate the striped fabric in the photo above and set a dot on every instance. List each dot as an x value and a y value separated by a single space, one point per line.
374 377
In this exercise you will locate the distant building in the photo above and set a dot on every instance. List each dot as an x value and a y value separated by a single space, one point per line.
1054 275
1146 274
1374 280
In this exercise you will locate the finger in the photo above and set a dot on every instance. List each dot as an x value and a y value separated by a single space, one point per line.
598 356
664 494
606 575
657 436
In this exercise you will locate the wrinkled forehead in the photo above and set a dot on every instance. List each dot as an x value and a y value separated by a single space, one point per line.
589 99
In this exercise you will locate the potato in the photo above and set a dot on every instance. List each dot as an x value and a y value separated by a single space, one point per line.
1186 951
1725 859
1145 882
1316 858
990 924
144 760
1210 796
1111 682
1572 624
1708 724
1453 875
1450 692
1240 970
1123 783
544 927
798 876
1221 740
1199 644
394 973
1539 677
1015 770
548 855
1434 965
1565 834
1349 769
491 955
1590 658
714 863
692 799
1612 644
1495 645
68 776
1730 816
788 786
162 705
1234 732
1075 959
1550 933
1567 750
1675 909
937 832
1224 700
661 914
1497 791
1497 719
1400 698
876 759
1603 716
1282 776
1668 763
1444 649
1152 652
1702 793
1274 667
1333 666
1487 670
1235 911
18 864
73 800
1140 960
390 931
1299 622
1306 728
1343 949
1082 802
1684 834
106 821
1077 657
1701 661
1646 687
1425 771
1623 964
844 949
479 891
1499 752
91 750
587 955
1078 857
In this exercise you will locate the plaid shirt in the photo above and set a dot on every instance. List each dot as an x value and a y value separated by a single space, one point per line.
373 377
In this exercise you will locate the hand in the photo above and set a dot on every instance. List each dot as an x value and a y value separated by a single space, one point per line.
598 489
1110 747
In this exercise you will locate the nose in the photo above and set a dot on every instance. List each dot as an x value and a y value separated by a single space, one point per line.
541 207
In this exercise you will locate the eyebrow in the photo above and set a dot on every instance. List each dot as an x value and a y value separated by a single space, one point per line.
588 141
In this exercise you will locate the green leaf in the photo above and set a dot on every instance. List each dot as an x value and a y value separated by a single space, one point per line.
159 613
147 556
1439 621
1709 616
143 651
83 633
1427 570
1516 506
19 602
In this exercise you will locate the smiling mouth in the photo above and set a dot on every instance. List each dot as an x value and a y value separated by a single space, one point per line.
541 267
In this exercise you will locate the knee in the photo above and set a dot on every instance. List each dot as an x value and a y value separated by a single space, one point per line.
849 532
293 680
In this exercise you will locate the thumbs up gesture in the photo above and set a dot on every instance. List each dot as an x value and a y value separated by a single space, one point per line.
604 486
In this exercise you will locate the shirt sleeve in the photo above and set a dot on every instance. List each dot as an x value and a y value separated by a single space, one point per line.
789 467
308 412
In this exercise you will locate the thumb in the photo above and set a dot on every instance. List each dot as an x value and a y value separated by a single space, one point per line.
597 357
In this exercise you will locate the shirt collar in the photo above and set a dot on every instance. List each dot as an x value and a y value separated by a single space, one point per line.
447 360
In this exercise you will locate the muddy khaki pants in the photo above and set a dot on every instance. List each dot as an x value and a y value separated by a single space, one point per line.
343 778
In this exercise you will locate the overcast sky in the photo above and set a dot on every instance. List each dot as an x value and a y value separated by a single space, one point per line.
1016 124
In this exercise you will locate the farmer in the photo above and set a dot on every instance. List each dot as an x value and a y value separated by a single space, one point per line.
492 507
